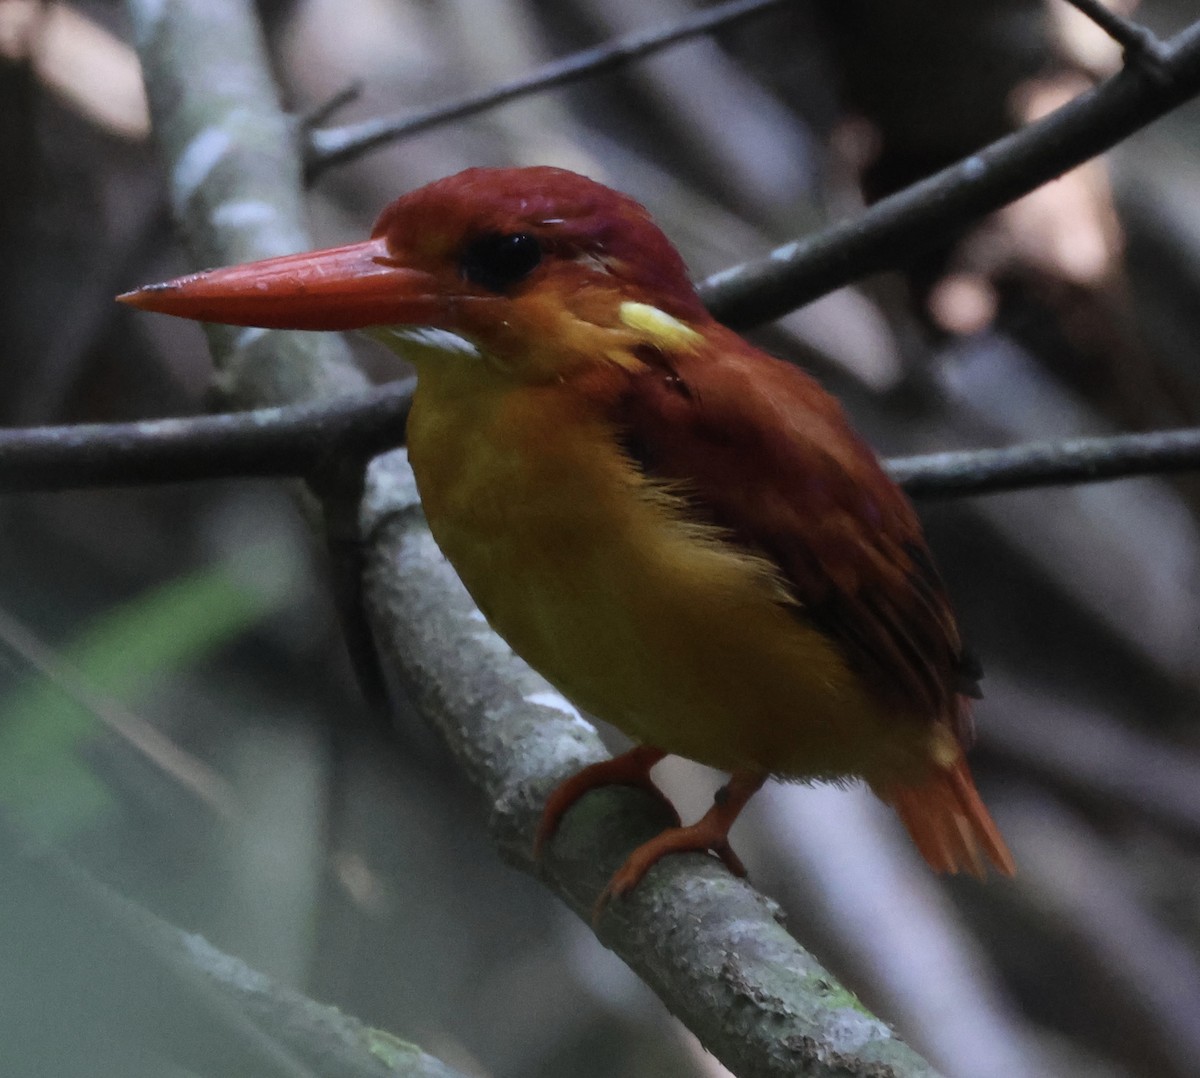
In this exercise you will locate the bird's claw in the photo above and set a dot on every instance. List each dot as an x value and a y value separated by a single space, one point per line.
631 768
673 840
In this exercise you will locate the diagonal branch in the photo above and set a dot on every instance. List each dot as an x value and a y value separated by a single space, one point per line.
905 224
896 229
188 770
331 146
1138 42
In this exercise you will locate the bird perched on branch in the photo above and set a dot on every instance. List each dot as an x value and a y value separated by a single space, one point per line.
680 532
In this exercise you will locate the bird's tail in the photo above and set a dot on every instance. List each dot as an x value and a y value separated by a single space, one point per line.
949 823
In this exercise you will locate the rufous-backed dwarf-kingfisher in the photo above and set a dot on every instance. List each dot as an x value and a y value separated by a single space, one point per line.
680 532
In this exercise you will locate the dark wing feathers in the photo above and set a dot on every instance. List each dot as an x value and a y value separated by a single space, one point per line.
765 454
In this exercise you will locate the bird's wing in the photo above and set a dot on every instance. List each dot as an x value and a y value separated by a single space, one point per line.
761 451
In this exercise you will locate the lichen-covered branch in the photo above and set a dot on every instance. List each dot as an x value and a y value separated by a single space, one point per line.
708 944
333 1044
711 947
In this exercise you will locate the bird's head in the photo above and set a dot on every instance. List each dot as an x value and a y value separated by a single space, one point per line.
533 270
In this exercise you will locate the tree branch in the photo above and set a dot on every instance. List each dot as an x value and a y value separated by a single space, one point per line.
710 946
903 225
332 146
288 442
302 441
1139 43
1041 464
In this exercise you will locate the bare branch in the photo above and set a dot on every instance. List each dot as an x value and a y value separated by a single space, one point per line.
896 229
1041 464
231 205
303 440
327 109
1139 42
289 442
335 145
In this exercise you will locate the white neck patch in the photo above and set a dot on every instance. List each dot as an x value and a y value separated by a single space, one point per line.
417 341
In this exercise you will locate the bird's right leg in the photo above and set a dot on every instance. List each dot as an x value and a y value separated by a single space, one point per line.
631 768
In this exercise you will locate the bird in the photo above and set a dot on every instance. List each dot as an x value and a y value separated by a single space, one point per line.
682 533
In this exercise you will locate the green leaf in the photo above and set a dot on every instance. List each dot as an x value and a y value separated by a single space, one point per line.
44 779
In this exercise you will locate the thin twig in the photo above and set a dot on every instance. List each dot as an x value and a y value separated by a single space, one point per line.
332 105
898 228
1138 42
334 145
189 771
1041 464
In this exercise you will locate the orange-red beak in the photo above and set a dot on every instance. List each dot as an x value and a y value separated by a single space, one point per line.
347 287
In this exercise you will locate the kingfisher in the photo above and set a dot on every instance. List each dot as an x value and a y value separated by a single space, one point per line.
680 532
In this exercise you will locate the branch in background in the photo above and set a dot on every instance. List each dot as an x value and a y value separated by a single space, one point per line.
764 1005
237 167
167 997
292 442
331 106
188 770
334 1044
1138 42
1125 943
934 211
303 441
899 227
335 145
1041 464
711 947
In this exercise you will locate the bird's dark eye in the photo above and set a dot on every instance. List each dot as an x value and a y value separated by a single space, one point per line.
497 262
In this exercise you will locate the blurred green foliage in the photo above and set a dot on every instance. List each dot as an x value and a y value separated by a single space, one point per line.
46 781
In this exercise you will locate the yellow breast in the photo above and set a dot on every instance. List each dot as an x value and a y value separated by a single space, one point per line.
595 577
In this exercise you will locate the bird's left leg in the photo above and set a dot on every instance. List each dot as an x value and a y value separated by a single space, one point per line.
631 768
710 832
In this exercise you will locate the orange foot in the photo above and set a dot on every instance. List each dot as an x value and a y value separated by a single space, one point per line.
631 768
710 832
